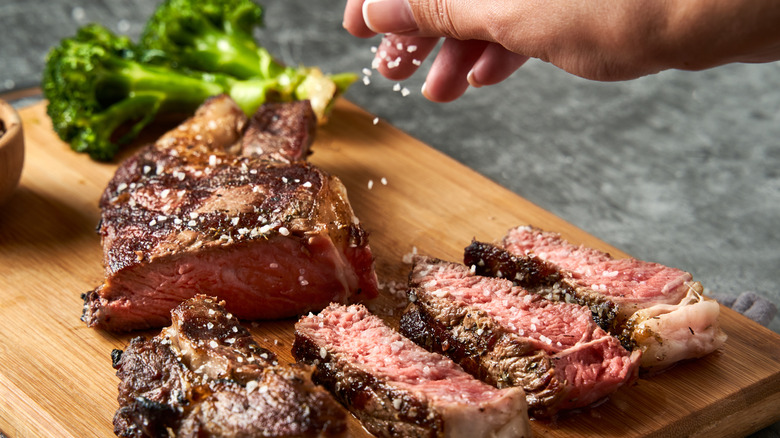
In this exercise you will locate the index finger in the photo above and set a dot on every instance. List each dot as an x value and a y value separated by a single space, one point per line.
353 20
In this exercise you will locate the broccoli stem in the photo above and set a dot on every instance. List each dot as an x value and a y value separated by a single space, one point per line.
180 93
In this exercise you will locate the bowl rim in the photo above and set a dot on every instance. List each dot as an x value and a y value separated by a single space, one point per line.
11 121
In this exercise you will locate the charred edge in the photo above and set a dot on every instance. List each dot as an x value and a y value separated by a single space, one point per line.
383 410
116 357
495 357
492 261
145 418
424 330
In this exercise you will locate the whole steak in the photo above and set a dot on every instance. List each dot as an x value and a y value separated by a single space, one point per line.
193 214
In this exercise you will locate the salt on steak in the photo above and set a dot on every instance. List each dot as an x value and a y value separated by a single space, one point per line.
205 376
659 310
223 205
398 389
510 337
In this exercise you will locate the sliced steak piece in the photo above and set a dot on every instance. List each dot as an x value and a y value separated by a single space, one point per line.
397 388
509 337
659 310
205 376
187 216
280 131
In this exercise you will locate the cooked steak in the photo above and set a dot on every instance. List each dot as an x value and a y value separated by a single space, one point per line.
397 388
509 337
205 376
659 310
187 215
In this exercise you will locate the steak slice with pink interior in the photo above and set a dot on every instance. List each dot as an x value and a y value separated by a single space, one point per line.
186 216
509 337
659 310
205 376
395 387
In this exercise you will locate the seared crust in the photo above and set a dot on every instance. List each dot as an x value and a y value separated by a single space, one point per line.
206 376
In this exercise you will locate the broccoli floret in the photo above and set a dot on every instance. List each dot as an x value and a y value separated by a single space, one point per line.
96 84
217 36
212 36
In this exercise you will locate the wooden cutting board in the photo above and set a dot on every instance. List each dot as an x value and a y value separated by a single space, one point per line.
56 378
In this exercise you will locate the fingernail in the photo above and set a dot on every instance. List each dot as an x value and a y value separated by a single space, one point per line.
471 77
424 91
382 16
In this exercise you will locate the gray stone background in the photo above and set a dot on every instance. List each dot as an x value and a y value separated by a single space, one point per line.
680 168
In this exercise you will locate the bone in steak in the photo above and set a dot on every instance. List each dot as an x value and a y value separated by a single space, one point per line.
397 388
509 337
205 376
659 310
189 215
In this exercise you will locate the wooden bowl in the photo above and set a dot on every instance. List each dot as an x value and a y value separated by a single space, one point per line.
11 150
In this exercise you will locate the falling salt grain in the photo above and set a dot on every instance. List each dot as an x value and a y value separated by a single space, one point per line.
374 49
370 184
383 181
366 80
376 120
397 87
367 71
405 92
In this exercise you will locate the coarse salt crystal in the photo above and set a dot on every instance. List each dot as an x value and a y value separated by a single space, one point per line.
397 87
212 160
307 184
323 352
405 92
416 62
284 231
367 71
383 181
213 344
376 120
251 385
370 184
411 48
209 325
366 80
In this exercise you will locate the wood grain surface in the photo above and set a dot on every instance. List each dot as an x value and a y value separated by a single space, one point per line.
56 378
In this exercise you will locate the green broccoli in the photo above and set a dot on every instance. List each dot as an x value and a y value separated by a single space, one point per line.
97 83
216 36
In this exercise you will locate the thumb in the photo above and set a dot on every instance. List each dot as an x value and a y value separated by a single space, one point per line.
440 18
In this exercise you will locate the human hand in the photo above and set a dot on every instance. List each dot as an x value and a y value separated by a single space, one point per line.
487 40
